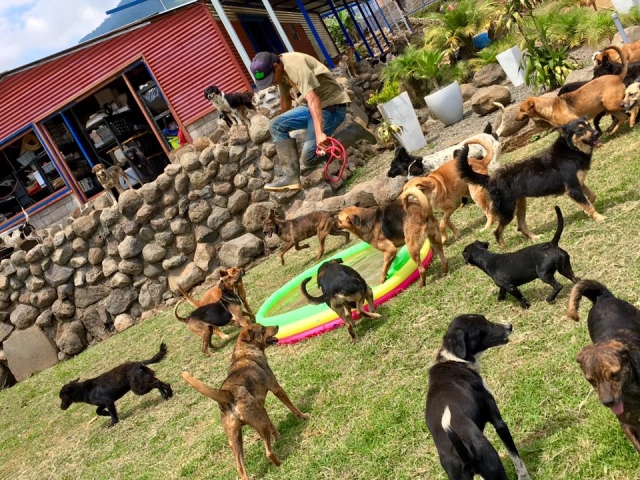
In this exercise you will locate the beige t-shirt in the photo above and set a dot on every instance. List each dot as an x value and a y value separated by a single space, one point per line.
306 73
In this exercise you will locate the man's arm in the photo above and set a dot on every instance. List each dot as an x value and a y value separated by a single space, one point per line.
313 102
285 102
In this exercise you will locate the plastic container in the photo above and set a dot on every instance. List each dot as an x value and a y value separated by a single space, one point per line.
481 40
399 111
511 62
622 6
446 104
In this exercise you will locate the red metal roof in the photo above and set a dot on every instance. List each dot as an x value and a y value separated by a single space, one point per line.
184 50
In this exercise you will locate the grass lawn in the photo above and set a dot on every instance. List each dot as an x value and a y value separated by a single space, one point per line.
366 401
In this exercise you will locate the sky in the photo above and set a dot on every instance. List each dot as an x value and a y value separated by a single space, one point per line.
33 29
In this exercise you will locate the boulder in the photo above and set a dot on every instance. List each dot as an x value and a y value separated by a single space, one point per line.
259 129
507 121
190 161
85 226
204 257
240 251
199 211
255 214
120 300
72 339
151 295
29 351
93 323
87 296
129 203
482 100
187 276
130 247
491 74
57 275
43 298
153 253
123 321
237 202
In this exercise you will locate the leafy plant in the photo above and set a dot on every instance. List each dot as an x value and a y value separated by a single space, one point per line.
546 67
419 70
388 132
389 90
336 31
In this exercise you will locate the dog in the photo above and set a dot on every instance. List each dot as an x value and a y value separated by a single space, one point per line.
25 237
110 178
350 54
459 403
630 52
206 319
408 220
630 101
242 394
235 105
343 65
293 231
611 364
510 270
104 390
602 94
414 166
445 189
561 168
342 289
588 3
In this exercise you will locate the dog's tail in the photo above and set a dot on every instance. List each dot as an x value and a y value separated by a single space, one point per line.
500 128
591 289
223 397
487 146
189 298
466 172
175 311
414 195
467 456
623 60
312 299
158 356
556 238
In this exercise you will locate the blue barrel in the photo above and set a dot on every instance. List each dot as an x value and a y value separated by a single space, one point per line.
481 40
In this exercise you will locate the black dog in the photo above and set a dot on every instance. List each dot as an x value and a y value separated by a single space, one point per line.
342 289
404 163
510 270
561 168
105 389
459 404
233 105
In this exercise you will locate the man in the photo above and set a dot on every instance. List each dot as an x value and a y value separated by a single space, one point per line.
325 109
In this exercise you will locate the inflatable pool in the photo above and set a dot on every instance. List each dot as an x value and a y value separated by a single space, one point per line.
299 319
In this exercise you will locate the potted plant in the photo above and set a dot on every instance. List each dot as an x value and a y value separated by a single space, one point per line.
399 112
445 103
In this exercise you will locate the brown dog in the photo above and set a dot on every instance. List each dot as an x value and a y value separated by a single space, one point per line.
611 364
602 94
445 189
409 220
630 101
241 396
630 51
292 232
110 178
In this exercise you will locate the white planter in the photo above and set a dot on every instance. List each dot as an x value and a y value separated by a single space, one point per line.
446 104
511 62
399 111
622 6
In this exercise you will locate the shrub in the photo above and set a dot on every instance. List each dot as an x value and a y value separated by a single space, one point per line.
389 90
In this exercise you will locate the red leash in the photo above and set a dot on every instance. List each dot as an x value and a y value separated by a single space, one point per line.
335 150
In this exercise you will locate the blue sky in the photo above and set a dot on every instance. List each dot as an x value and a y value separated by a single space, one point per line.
33 29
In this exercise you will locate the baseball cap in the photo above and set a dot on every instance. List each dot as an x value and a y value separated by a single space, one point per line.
262 68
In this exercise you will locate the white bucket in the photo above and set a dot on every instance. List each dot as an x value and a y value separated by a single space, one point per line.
622 6
399 111
446 104
511 62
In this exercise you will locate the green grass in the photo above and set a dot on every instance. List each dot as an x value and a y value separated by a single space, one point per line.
366 401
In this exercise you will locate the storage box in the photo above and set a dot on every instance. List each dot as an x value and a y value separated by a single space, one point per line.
26 158
86 184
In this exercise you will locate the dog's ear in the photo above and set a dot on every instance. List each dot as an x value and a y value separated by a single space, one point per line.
488 129
620 349
355 220
455 343
223 272
248 335
339 260
75 381
484 245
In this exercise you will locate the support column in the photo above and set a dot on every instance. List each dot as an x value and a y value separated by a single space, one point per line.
402 17
278 25
373 34
234 36
355 22
344 29
373 15
381 10
312 27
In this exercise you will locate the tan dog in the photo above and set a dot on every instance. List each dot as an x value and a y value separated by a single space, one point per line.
602 94
444 189
241 396
630 51
350 55
409 220
110 178
588 3
630 101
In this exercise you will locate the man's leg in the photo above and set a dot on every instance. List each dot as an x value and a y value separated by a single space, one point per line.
286 148
331 120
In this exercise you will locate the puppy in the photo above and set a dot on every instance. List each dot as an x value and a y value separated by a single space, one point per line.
105 389
611 364
459 403
510 270
241 396
445 189
110 178
231 280
235 105
602 94
293 231
630 101
342 289
561 168
409 220
413 166
206 319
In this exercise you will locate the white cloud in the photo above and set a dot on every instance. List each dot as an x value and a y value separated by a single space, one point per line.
33 29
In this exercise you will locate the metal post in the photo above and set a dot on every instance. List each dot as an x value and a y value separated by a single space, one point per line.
276 23
620 28
357 25
234 36
377 23
392 16
74 135
373 34
384 17
344 29
312 27
401 16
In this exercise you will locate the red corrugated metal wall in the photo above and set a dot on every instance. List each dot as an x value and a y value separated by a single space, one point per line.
183 49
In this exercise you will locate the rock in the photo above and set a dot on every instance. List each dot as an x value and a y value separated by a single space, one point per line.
120 280
491 74
85 226
199 211
164 182
581 75
255 214
63 309
122 322
174 261
85 297
238 135
93 323
95 256
108 218
240 251
57 275
62 255
146 213
94 275
237 202
259 129
18 258
130 247
240 181
190 161
180 226
132 266
72 339
222 154
65 291
5 331
207 155
109 266
152 270
199 179
186 243
77 261
29 351
120 300
153 253
33 284
203 233
151 295
34 255
231 229
269 149
150 193
188 276
129 203
165 239
217 218
482 100
507 121
468 91
43 298
45 319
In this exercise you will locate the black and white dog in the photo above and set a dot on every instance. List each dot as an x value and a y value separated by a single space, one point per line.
235 106
459 404
22 238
